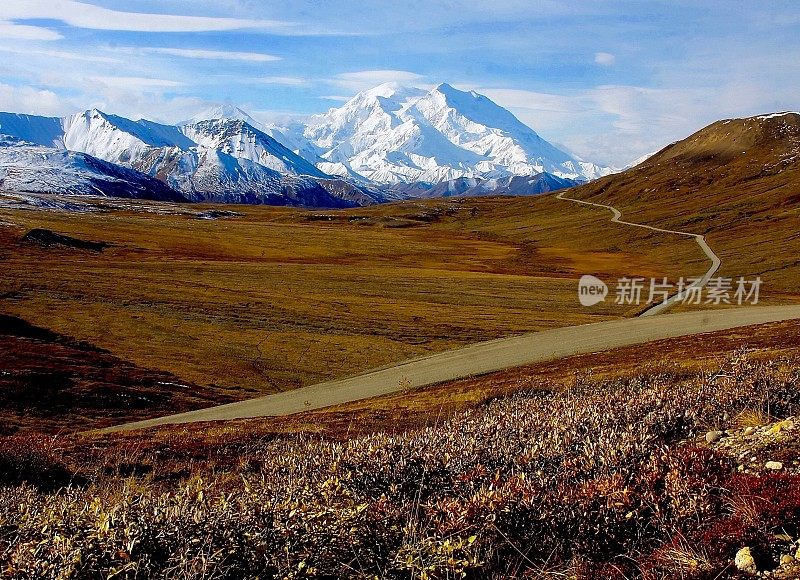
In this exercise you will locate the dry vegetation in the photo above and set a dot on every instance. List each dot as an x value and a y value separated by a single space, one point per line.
605 478
51 383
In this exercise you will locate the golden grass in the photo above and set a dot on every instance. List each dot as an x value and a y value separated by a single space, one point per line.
738 183
279 298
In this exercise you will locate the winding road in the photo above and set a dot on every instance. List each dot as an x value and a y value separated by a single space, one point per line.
483 358
700 239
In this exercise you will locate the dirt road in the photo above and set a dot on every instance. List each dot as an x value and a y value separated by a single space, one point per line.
484 358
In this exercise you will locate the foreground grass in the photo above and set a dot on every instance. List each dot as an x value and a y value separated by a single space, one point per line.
606 478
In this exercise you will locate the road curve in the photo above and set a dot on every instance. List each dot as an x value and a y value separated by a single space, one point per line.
483 358
700 239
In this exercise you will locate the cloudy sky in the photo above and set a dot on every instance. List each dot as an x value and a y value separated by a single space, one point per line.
610 80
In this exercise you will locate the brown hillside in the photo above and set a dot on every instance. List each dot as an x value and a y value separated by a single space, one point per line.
737 181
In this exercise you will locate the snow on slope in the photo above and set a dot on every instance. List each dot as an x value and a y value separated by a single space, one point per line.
241 140
290 136
225 111
394 134
117 139
639 160
29 168
223 160
472 186
388 135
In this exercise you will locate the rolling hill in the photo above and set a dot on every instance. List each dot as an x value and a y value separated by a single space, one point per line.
737 181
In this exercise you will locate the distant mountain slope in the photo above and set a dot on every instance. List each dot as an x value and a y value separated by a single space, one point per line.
405 137
35 169
243 141
473 187
223 160
732 170
393 134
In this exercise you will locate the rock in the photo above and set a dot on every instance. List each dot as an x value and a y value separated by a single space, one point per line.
797 554
776 465
714 436
787 560
787 425
749 431
745 562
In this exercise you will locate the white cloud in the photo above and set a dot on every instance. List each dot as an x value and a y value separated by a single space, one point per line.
531 100
84 15
135 83
146 105
285 81
604 58
30 100
337 98
213 54
610 124
58 54
367 79
9 30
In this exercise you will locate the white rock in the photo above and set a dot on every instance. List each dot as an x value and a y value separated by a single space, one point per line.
744 561
776 465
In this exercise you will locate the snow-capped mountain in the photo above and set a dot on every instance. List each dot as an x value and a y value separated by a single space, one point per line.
395 134
388 136
639 160
243 141
222 159
29 168
224 111
476 186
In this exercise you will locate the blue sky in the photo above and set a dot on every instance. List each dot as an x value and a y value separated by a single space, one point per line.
610 80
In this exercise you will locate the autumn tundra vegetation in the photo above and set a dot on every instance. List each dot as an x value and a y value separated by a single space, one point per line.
660 474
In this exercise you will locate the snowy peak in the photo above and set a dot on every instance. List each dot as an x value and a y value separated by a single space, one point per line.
392 91
225 111
241 140
475 107
219 159
117 139
392 134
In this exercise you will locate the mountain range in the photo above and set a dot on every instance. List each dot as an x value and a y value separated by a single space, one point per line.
391 142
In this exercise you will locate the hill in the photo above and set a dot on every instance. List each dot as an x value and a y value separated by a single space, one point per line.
737 181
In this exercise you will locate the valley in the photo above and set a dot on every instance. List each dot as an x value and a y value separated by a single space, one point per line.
247 300
277 298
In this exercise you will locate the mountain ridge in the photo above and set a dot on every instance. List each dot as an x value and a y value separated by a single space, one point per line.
223 154
223 160
394 133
